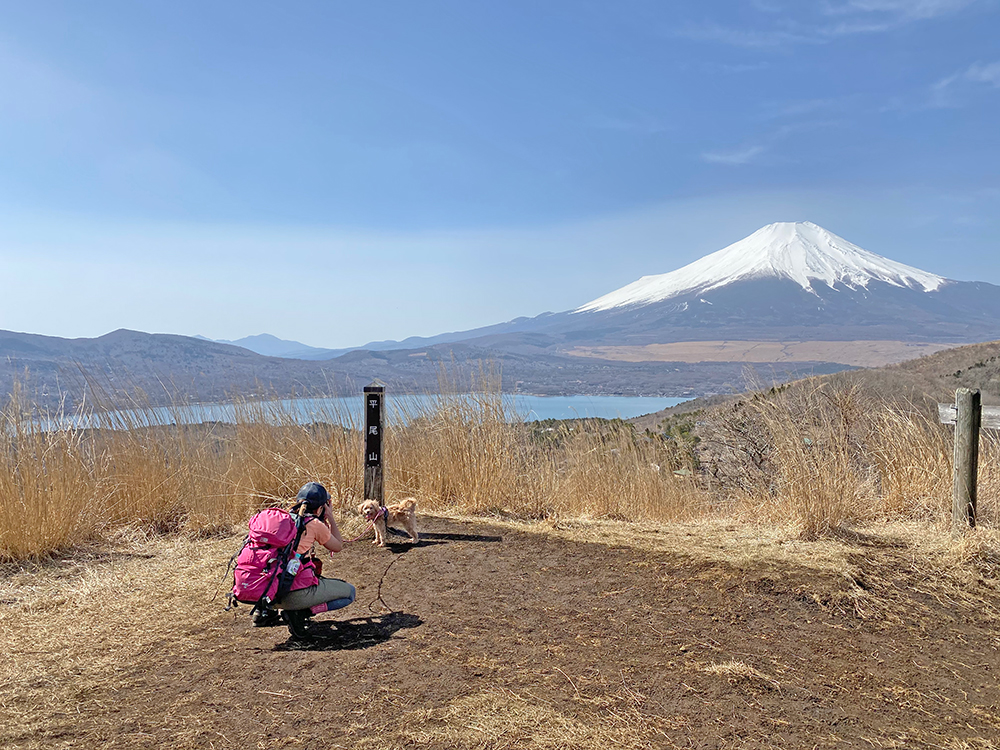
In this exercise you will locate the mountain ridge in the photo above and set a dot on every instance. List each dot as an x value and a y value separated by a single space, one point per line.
812 294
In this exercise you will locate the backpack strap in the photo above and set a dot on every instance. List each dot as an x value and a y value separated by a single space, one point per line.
286 579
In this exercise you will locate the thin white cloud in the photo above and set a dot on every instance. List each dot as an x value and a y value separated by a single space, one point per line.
836 19
984 73
941 94
734 158
953 90
903 10
857 27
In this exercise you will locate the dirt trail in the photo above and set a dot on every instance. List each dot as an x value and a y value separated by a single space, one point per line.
507 639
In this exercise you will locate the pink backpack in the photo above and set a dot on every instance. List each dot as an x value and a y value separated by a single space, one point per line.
267 567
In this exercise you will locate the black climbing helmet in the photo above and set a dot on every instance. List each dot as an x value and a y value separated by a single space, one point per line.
313 496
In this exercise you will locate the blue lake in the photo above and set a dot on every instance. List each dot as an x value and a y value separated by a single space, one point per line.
609 407
530 408
349 410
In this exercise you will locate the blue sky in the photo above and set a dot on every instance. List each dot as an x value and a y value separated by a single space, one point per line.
338 172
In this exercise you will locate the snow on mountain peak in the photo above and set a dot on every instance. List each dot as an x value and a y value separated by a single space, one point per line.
800 251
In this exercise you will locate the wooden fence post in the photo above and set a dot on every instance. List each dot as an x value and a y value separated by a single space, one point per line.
374 413
969 406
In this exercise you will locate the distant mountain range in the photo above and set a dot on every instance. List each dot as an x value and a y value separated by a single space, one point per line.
792 299
272 346
168 368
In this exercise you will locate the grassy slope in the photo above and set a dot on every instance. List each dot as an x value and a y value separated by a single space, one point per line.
925 379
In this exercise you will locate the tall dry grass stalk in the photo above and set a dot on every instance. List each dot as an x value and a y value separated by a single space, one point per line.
465 451
48 486
473 453
614 473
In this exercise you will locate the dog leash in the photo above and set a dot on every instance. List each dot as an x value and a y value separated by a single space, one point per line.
378 594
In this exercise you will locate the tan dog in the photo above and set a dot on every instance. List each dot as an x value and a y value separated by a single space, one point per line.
403 512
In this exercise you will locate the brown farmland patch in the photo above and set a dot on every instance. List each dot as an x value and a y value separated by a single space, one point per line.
592 635
855 353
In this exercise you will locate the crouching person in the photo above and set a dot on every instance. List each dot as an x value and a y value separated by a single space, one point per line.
312 594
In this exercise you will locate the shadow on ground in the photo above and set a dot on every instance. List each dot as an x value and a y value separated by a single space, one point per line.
449 537
461 537
430 538
351 635
401 548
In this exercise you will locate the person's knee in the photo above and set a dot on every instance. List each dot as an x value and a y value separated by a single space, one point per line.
353 592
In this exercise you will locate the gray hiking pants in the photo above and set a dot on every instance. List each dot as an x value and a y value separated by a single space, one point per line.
330 591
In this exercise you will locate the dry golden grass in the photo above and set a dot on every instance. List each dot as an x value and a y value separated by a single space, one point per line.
818 458
502 718
71 625
737 672
65 486
466 452
857 353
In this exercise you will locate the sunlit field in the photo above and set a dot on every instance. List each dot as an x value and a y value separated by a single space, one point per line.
815 458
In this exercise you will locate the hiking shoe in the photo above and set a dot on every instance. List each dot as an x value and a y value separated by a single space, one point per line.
297 621
266 618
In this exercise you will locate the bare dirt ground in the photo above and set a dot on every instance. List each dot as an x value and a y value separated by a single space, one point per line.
855 353
581 635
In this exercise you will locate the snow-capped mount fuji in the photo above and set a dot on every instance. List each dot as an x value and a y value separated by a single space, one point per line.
786 282
789 281
798 251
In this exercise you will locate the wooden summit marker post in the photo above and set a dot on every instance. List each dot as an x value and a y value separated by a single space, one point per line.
968 404
374 413
968 416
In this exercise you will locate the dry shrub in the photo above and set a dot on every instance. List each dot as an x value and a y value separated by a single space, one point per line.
821 456
818 439
913 457
988 509
795 457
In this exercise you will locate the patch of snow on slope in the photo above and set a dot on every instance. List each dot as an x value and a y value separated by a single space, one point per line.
800 251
